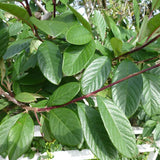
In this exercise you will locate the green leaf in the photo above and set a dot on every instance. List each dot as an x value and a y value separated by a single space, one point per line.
155 4
25 97
95 75
151 91
16 47
117 46
50 27
75 58
4 38
50 61
40 104
20 137
147 131
78 35
100 24
156 133
3 103
127 94
95 133
64 94
65 126
17 11
136 12
81 19
118 127
5 127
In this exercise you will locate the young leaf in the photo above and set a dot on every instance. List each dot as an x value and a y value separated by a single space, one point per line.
64 94
151 92
5 127
81 19
100 23
16 47
118 127
136 12
4 38
65 126
20 137
75 58
127 94
95 75
52 28
50 61
17 11
95 133
25 97
78 35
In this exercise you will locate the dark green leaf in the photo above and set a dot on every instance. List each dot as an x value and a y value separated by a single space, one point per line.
78 35
20 137
95 133
118 127
65 126
25 97
95 75
64 94
76 58
3 103
127 94
50 61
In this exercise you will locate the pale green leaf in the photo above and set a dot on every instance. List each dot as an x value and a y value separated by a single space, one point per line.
25 97
136 12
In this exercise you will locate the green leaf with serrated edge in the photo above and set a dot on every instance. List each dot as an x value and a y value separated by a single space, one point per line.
100 24
118 127
3 103
112 25
75 58
16 47
127 94
50 27
155 4
95 75
17 11
95 133
136 12
4 38
5 127
25 97
78 35
156 133
65 126
45 128
50 61
81 19
64 94
20 137
151 91
117 46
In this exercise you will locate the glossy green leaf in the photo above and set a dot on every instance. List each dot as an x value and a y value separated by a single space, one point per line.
17 11
100 24
81 19
117 46
78 35
95 75
118 127
155 4
50 61
4 38
25 97
5 127
136 12
151 92
64 94
95 133
16 47
20 137
65 126
50 27
3 103
76 58
127 94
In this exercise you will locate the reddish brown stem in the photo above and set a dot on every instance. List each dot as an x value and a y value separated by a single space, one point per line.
54 8
35 113
101 89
